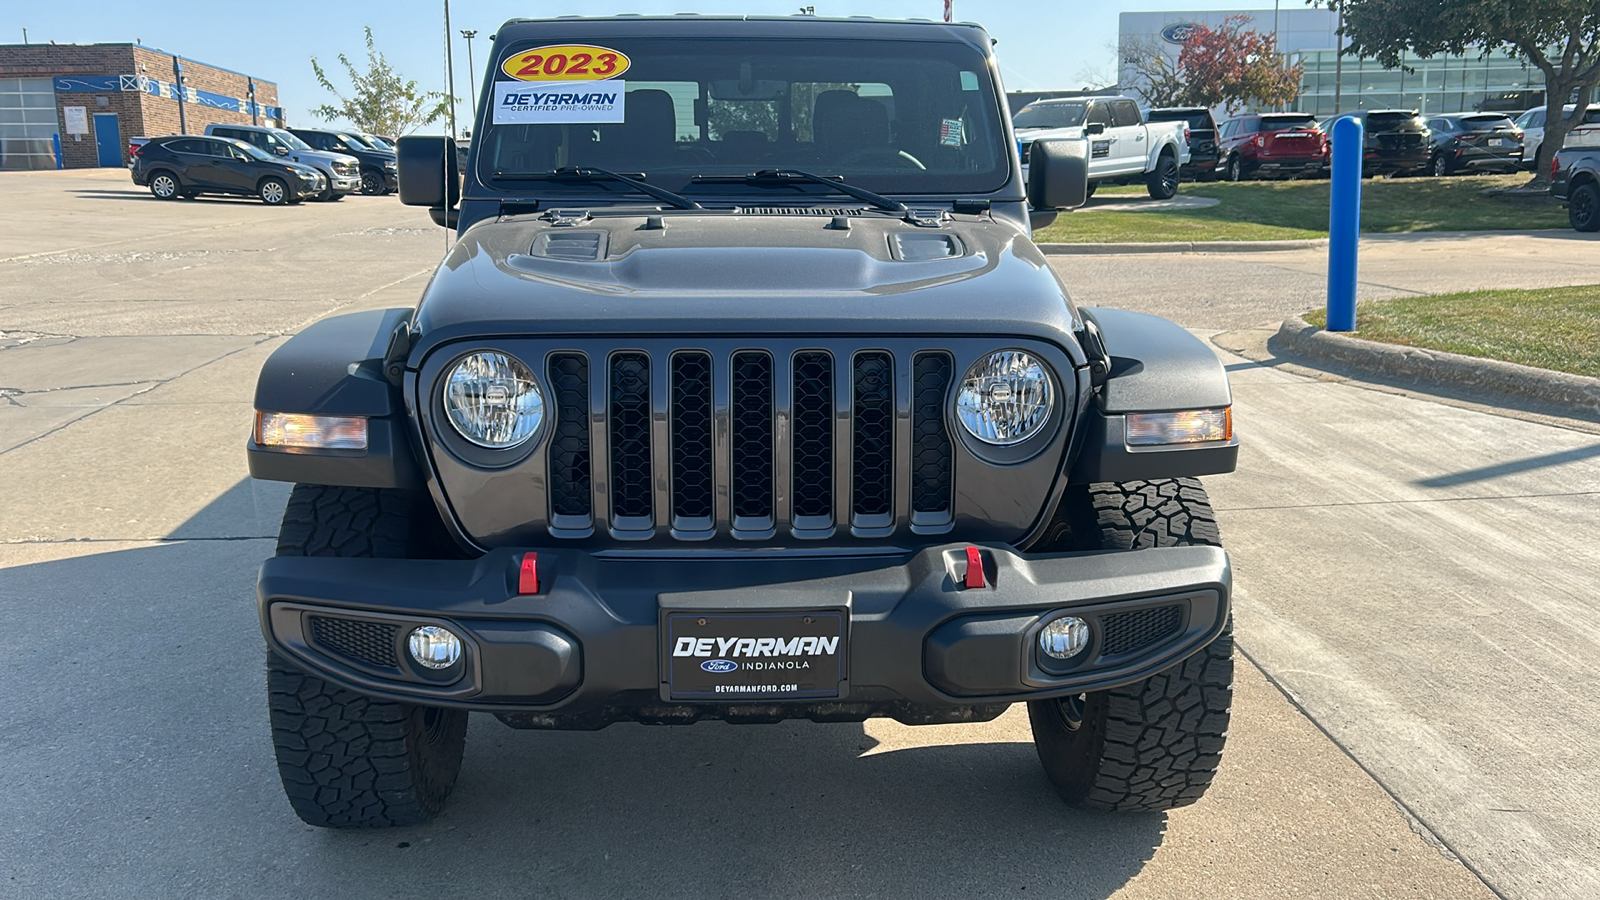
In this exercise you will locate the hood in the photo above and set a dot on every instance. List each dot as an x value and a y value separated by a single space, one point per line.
752 271
327 156
1034 134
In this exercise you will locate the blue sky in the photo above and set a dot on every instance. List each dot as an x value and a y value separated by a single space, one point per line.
1043 44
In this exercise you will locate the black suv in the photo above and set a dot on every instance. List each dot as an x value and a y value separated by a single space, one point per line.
377 166
1396 141
1204 157
188 165
742 394
1474 142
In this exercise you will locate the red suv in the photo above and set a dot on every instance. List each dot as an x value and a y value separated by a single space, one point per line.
1271 144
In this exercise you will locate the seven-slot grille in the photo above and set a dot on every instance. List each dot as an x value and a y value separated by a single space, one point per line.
795 430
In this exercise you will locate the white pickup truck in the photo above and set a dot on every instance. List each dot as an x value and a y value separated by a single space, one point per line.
1122 146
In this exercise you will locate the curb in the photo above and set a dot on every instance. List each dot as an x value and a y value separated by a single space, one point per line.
1577 395
1183 247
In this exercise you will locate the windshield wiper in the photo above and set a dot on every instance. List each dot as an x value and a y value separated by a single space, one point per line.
787 177
590 173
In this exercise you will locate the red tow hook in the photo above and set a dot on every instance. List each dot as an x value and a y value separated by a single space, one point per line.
528 579
974 568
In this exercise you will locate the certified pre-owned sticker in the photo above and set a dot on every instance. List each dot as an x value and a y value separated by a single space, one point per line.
588 102
566 63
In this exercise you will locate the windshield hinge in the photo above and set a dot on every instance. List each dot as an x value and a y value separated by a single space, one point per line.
927 218
564 217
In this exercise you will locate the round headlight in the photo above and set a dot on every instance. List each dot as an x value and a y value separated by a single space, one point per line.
492 400
1006 398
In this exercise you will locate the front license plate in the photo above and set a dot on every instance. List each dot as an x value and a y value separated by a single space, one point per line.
755 656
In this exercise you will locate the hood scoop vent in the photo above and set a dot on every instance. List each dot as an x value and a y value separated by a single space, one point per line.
572 246
923 246
799 211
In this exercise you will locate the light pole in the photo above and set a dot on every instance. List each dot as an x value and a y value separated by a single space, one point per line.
472 70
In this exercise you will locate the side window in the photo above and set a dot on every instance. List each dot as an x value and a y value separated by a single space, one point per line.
1125 113
211 148
225 132
1538 120
1227 129
184 146
1099 113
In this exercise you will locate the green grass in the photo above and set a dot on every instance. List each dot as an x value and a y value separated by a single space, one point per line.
1551 328
1265 210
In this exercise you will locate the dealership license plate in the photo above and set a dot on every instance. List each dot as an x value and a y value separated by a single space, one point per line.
755 656
1497 142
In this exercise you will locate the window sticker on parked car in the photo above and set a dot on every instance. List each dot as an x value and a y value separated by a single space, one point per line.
586 102
950 132
566 63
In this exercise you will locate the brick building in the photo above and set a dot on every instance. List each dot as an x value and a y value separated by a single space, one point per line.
75 105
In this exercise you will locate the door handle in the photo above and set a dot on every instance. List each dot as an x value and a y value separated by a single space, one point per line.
1138 137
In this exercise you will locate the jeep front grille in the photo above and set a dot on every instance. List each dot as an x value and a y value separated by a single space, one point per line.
755 440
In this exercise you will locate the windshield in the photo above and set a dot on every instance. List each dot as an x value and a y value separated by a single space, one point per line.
376 142
252 151
1199 120
887 116
1050 115
1487 123
291 139
1281 121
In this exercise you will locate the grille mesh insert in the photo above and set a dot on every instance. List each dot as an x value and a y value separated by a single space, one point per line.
812 451
872 454
630 435
371 643
569 445
752 434
1128 631
930 447
691 435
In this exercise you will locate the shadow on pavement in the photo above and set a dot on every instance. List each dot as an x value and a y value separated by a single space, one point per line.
1488 473
138 761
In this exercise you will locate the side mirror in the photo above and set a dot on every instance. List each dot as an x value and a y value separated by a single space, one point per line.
1058 175
428 172
280 149
1094 128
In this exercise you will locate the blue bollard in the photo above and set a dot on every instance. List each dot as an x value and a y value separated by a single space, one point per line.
1344 222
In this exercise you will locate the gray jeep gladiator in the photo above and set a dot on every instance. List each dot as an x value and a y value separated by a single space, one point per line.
742 394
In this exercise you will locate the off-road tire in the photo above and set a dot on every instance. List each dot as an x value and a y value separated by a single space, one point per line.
1583 207
1162 182
1155 744
347 760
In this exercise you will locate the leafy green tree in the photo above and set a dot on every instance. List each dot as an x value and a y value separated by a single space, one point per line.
380 101
1559 37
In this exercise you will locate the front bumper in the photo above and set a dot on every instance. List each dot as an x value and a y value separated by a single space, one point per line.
344 184
586 650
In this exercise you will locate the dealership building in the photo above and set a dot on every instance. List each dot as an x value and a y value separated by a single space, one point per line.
74 106
1443 84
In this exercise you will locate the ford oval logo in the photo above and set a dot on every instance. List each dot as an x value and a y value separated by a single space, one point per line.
719 665
1178 32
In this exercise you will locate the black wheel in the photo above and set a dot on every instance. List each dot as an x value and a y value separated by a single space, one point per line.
1089 192
1583 207
1154 744
371 182
1235 169
1441 165
1162 183
347 760
273 192
164 185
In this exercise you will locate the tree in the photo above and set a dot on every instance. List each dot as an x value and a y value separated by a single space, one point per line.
1560 37
1235 66
1155 74
381 101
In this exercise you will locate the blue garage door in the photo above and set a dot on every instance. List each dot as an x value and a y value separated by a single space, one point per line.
108 139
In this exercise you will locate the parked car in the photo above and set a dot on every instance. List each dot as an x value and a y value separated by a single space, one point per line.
377 166
1532 124
1396 141
1575 176
1279 145
631 458
186 165
1201 135
341 171
1122 147
1474 142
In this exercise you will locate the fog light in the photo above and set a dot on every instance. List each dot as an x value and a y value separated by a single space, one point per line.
1064 638
434 647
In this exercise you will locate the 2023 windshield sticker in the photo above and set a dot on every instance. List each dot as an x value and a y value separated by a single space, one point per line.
557 103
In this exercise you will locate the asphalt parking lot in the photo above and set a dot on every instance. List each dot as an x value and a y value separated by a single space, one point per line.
1417 577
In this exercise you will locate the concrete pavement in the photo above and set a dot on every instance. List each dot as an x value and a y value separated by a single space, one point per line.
137 755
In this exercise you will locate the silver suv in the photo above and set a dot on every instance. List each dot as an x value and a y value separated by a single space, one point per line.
342 170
